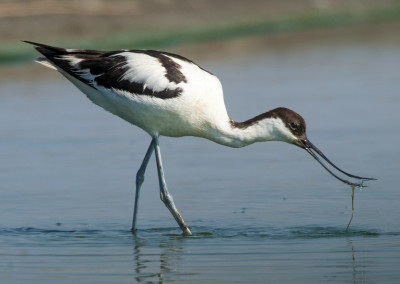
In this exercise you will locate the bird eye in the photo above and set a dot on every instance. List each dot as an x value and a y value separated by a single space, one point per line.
293 125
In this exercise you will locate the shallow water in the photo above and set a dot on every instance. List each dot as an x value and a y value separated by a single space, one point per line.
267 212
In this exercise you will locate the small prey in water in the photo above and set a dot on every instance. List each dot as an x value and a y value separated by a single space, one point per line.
352 208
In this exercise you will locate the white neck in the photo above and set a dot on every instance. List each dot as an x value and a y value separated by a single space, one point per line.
236 135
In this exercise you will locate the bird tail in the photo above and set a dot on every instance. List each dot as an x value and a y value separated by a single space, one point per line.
44 61
47 50
52 56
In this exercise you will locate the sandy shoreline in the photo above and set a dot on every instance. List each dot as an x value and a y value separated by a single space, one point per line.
54 18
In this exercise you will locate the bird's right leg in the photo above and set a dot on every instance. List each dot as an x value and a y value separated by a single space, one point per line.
166 197
139 181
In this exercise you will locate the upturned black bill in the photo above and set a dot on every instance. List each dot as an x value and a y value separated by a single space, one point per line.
308 146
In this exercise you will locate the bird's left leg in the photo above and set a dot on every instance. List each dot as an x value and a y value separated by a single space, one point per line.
139 181
166 197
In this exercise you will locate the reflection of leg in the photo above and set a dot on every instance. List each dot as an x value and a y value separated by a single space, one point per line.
166 197
139 181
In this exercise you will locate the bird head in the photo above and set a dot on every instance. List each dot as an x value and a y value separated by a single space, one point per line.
290 127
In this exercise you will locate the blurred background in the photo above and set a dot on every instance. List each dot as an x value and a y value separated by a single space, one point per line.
266 212
172 24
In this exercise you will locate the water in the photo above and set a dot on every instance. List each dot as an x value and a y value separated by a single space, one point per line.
264 213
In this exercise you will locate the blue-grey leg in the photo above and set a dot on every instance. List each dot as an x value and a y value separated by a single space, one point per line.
166 197
139 181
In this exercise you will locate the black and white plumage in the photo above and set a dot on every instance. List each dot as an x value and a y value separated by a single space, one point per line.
167 94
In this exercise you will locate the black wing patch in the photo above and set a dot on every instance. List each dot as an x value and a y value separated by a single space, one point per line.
110 69
173 73
107 69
